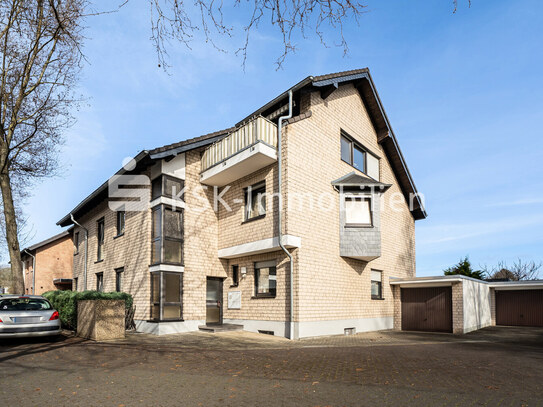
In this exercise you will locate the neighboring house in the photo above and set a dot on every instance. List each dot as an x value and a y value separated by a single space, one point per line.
48 265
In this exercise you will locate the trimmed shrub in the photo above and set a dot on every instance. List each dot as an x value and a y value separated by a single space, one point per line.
65 302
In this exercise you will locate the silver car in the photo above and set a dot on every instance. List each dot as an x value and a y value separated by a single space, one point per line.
27 315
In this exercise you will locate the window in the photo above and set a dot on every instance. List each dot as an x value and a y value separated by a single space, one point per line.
235 276
255 201
99 281
346 150
167 236
376 285
75 284
121 216
358 211
76 243
119 279
100 232
356 155
265 279
168 186
166 296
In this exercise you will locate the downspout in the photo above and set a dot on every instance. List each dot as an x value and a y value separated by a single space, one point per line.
33 271
86 251
280 213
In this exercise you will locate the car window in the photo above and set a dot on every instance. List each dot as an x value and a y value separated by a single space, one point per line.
24 304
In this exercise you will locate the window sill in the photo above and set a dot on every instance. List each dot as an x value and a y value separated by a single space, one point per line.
159 321
378 298
119 235
98 261
359 226
234 286
253 219
258 297
167 264
75 254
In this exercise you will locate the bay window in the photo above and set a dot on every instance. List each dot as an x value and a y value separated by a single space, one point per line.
167 236
166 296
358 211
167 186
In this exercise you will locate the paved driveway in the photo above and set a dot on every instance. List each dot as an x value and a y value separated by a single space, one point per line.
494 366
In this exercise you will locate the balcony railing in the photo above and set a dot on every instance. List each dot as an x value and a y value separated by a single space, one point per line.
257 130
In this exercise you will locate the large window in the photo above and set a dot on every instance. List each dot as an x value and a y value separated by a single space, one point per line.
168 186
121 217
358 211
255 201
99 281
376 285
100 231
356 155
167 236
166 296
265 279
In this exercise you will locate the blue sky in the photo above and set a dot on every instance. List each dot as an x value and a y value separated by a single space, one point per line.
462 91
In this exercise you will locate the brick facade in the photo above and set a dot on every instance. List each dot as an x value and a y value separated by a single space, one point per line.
54 260
327 286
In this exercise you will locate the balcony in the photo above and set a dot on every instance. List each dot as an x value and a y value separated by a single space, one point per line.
242 152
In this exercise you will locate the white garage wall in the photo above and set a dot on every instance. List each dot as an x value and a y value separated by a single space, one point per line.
476 298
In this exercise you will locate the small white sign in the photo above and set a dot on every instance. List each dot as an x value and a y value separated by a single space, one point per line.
234 300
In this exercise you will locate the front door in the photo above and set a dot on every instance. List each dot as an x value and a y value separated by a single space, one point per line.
214 301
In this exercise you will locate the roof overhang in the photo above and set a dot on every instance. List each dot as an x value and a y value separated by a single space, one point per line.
443 281
99 193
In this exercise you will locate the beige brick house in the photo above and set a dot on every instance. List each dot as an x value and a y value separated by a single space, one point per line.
48 265
315 175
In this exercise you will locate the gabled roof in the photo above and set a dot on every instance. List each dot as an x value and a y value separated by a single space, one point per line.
45 242
363 82
185 145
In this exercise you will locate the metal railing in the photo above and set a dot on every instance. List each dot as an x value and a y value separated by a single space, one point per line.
259 129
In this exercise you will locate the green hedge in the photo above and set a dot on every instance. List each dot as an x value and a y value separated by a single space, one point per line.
65 302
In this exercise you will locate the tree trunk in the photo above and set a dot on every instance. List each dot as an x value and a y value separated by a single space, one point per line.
11 235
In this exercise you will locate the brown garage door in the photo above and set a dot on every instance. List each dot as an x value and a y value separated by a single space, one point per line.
427 309
519 308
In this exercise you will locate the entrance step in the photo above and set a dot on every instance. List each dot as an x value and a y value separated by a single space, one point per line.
221 328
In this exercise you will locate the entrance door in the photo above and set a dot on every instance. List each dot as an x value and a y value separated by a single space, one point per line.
427 309
214 301
519 308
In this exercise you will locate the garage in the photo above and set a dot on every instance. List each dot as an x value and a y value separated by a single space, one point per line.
427 309
519 307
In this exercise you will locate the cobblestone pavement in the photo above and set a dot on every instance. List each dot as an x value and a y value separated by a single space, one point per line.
494 366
